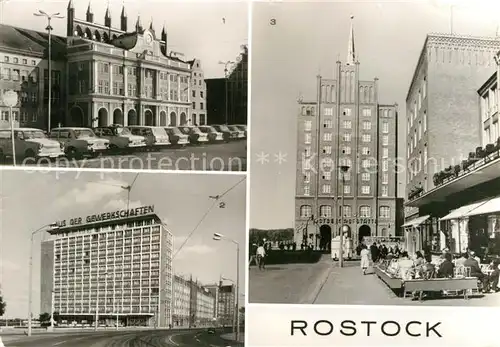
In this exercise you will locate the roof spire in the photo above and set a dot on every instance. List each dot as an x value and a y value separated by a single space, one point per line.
124 13
108 14
351 52
89 7
151 25
70 5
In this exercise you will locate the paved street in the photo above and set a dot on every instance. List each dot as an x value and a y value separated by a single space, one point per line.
129 338
212 157
348 286
287 283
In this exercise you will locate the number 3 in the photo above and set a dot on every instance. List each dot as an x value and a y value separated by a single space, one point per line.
272 21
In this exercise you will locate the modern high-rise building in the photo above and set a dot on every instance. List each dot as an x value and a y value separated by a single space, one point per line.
442 105
109 266
345 125
193 304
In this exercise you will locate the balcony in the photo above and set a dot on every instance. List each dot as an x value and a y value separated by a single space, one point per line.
482 166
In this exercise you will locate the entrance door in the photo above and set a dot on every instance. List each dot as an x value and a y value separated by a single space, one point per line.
325 232
364 231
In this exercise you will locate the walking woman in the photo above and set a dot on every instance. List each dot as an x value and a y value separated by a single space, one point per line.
365 258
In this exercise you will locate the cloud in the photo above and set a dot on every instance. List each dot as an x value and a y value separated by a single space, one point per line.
120 204
92 192
194 250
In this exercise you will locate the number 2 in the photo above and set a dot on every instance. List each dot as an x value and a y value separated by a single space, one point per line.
222 204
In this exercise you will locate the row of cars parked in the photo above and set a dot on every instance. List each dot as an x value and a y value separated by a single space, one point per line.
77 143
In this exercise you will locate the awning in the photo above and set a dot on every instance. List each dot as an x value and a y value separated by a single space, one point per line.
490 206
463 211
416 221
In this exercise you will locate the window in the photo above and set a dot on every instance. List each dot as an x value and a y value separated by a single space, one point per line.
201 94
385 212
347 189
308 138
346 150
6 59
325 211
345 162
385 178
327 137
365 163
365 190
307 125
385 127
328 111
347 211
424 118
326 189
307 164
385 140
347 137
25 61
347 112
419 99
367 125
385 152
328 124
425 154
365 151
305 211
307 177
347 124
193 93
419 130
365 211
366 138
385 191
365 176
327 175
16 60
424 87
367 112
307 190
201 106
385 165
327 149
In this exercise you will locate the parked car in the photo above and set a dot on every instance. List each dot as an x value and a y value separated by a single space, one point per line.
196 136
241 133
213 135
242 127
156 137
79 142
176 137
120 138
228 133
211 331
29 143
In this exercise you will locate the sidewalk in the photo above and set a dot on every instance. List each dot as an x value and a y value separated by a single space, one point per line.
348 286
288 283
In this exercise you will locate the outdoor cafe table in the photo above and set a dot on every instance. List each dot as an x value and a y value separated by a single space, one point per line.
439 284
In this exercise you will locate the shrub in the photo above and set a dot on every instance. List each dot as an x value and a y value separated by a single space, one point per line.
275 257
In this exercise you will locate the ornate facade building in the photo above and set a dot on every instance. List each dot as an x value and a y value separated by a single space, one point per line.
101 74
193 304
346 126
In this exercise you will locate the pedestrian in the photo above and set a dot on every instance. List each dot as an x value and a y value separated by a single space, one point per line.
253 254
261 254
365 258
374 252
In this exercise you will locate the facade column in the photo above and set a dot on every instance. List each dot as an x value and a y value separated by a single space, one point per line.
111 70
125 84
125 115
168 86
179 87
95 116
141 115
157 85
94 73
157 115
143 82
90 114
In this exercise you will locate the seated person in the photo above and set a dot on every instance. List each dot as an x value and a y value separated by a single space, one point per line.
475 270
405 266
428 269
475 257
460 261
446 267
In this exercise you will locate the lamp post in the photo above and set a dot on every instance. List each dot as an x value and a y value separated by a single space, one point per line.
226 64
220 237
49 28
343 171
30 293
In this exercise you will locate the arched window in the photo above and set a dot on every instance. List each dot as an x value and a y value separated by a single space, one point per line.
365 211
305 211
325 211
384 212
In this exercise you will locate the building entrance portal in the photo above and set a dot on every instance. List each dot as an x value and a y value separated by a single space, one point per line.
325 233
364 231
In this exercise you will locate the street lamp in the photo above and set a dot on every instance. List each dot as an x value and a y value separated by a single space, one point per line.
49 28
220 237
343 171
30 294
226 64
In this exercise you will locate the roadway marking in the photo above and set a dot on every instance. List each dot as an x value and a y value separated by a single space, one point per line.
61 342
171 341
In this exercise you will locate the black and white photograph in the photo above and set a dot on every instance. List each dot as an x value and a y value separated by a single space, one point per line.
122 259
376 179
157 85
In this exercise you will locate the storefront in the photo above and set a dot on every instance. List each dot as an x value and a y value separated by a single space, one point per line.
416 234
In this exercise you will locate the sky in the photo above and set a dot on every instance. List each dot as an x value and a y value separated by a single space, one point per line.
306 40
208 30
30 200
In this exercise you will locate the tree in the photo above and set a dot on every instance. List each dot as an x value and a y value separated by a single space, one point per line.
3 306
242 310
44 317
57 317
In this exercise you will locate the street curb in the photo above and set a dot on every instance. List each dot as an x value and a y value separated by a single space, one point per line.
229 337
311 298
